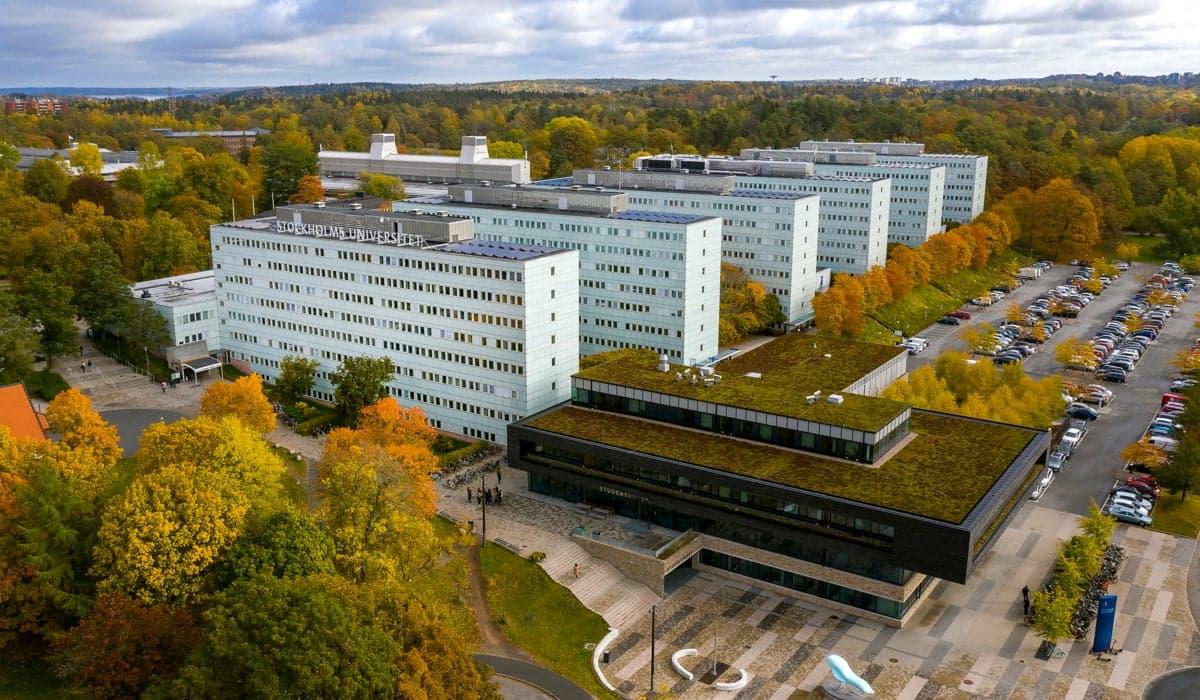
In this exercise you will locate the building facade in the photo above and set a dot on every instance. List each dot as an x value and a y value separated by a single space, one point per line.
189 305
646 279
915 206
235 140
479 333
472 165
772 236
843 499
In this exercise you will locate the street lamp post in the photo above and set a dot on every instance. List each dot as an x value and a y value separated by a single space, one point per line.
653 634
146 350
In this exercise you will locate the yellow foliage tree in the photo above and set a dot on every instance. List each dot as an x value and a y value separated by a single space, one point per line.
1074 352
829 311
1145 453
1128 251
1188 361
1015 313
242 399
877 291
81 429
164 532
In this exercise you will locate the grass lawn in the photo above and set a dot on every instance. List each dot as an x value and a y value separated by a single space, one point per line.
1146 247
1177 517
295 477
542 617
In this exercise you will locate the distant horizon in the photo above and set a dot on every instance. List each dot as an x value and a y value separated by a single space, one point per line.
184 89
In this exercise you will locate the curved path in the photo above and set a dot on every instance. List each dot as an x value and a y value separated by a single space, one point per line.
506 658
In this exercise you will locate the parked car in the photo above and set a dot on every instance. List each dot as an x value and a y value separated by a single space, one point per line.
1133 498
1142 486
963 315
1128 515
950 321
1040 489
1071 438
1082 411
1114 374
1056 461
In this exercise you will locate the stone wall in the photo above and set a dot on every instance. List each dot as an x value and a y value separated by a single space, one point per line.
643 568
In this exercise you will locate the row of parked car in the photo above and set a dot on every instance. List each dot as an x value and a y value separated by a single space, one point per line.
1120 344
1133 499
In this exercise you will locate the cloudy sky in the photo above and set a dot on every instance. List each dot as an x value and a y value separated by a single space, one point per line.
143 43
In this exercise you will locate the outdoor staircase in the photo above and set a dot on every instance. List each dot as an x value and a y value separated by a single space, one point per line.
603 589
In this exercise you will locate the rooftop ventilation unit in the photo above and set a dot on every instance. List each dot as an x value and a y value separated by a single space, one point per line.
835 399
664 365
812 398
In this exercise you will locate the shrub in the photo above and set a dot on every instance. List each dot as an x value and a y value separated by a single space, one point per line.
45 384
313 425
536 557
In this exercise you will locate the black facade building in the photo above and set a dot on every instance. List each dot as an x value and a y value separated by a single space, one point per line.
857 502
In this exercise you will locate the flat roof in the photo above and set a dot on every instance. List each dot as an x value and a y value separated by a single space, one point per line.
788 369
179 290
942 473
660 217
412 158
496 249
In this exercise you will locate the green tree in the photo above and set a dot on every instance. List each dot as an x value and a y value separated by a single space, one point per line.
284 163
86 159
9 156
359 382
1051 615
143 327
291 637
167 248
1178 219
219 180
287 545
18 340
385 187
47 180
1182 472
296 378
102 291
505 149
572 144
47 302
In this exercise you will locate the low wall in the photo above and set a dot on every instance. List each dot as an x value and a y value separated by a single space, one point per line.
643 568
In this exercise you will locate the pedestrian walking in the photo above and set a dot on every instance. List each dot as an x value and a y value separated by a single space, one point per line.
82 367
577 571
1025 599
164 387
469 494
497 475
499 499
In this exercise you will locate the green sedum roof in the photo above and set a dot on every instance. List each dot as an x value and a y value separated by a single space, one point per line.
789 367
941 474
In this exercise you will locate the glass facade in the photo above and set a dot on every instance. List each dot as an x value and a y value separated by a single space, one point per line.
822 520
814 587
832 445
813 551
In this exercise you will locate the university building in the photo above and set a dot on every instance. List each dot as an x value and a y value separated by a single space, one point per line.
647 279
473 164
782 467
479 333
772 236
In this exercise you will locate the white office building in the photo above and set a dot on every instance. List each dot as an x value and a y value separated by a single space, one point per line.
646 279
472 164
188 303
966 174
479 333
852 234
918 188
772 236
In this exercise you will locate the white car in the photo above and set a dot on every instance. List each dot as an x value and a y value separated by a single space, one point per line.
915 345
1071 438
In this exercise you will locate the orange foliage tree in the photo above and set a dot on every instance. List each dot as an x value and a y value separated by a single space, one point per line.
242 399
309 189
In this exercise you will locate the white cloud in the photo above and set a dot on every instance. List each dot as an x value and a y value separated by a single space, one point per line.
241 42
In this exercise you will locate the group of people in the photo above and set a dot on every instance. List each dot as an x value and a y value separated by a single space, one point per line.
485 496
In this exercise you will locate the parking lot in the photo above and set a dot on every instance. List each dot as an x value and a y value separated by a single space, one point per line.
1094 465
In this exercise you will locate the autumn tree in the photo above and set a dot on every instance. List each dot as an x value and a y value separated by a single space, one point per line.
829 311
1187 361
1073 352
122 646
243 399
47 180
359 382
1145 453
9 157
1128 251
159 539
854 317
308 189
877 290
82 431
572 144
1059 222
284 162
1181 473
86 160
385 187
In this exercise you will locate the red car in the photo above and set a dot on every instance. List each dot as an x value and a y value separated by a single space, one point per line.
1142 487
964 315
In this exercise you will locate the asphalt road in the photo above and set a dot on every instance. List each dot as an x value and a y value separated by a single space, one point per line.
1095 464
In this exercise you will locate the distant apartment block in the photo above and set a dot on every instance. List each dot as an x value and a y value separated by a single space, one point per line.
479 333
472 165
36 105
234 139
853 212
966 175
772 236
646 279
